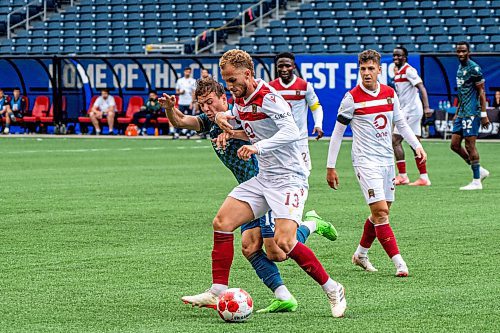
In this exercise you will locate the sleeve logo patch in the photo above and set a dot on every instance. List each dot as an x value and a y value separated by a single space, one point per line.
272 98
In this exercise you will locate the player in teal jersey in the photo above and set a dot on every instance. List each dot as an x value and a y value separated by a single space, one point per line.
470 114
211 98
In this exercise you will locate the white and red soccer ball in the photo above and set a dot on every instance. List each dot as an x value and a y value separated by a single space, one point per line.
235 305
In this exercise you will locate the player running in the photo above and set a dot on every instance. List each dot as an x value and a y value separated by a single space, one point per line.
211 98
301 96
408 84
469 115
372 108
281 184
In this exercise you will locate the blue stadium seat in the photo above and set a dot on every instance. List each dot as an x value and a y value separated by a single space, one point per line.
299 49
318 48
484 48
428 48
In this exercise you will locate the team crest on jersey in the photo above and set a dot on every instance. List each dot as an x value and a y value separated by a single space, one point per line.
254 108
371 193
297 92
389 100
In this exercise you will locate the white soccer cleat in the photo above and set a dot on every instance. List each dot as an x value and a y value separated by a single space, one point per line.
483 173
337 301
402 270
204 300
6 130
363 262
472 186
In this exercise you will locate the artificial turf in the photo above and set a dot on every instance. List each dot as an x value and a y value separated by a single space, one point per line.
107 235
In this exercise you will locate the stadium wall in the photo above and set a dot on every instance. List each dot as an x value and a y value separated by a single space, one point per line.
79 78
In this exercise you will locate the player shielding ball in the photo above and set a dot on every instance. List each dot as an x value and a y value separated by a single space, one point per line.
371 109
408 83
470 115
211 98
301 97
280 186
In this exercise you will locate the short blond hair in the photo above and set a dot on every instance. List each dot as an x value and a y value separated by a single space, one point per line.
238 59
368 55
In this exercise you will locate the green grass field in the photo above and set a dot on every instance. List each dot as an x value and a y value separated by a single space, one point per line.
107 235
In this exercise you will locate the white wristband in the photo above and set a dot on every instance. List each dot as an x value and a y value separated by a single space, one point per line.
484 114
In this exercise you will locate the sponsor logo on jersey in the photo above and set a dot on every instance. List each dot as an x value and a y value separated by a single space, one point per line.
282 115
380 122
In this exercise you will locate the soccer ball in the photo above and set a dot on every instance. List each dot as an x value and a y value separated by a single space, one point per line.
235 305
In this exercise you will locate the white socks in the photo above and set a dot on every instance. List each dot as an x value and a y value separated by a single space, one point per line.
424 176
398 260
218 289
361 251
329 286
311 225
282 293
404 175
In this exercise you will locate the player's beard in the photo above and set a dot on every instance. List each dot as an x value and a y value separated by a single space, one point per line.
244 90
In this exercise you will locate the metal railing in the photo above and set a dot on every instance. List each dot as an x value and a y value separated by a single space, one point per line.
243 26
26 9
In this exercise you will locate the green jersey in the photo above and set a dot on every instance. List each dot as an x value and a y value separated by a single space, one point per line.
242 170
468 77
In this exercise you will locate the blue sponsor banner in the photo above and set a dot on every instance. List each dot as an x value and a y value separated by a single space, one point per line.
334 75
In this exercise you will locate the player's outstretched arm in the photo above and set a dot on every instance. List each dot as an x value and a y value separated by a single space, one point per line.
176 117
222 120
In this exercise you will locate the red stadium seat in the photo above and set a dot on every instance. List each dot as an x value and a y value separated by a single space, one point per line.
134 105
40 109
86 119
50 118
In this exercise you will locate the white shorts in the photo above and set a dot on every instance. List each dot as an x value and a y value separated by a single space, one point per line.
377 183
306 157
285 196
414 120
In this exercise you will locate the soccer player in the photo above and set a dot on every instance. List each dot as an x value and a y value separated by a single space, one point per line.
372 108
470 114
408 84
281 184
301 96
212 99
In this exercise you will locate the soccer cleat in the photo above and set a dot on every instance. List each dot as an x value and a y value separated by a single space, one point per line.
402 270
6 130
472 186
277 305
363 262
483 173
337 301
401 180
323 228
204 300
421 182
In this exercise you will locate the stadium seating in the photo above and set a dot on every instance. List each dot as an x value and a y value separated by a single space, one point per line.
134 105
40 109
124 26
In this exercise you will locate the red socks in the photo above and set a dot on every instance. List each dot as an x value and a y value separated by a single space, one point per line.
422 167
368 235
401 166
309 263
386 237
222 257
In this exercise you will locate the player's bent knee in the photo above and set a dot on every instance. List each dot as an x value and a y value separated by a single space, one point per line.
381 216
221 224
284 243
248 249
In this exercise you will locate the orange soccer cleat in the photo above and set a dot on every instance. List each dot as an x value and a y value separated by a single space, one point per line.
401 180
421 182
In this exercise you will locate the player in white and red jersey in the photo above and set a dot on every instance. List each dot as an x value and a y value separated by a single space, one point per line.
371 109
281 184
301 96
408 84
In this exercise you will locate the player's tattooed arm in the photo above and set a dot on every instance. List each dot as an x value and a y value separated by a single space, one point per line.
482 99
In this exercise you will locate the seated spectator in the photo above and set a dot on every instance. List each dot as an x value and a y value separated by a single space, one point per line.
104 106
496 100
151 110
5 111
